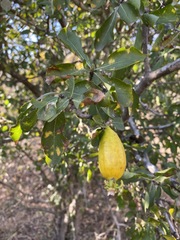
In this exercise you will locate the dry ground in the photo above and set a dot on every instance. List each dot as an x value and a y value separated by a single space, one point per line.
28 210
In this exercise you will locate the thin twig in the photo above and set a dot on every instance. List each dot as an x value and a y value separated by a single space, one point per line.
14 188
125 114
146 107
39 209
46 180
160 127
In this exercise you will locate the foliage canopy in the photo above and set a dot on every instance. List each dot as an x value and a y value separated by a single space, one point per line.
70 68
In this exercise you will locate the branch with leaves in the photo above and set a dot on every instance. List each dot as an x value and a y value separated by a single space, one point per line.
153 169
96 85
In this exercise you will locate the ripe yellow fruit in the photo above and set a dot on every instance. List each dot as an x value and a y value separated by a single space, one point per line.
111 157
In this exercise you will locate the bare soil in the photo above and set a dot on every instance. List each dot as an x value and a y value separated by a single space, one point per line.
30 209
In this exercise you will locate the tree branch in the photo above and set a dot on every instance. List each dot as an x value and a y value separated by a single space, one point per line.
38 209
125 114
172 227
15 189
160 127
20 78
134 127
153 169
145 33
146 107
149 78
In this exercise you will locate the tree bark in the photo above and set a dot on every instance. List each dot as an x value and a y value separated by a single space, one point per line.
150 77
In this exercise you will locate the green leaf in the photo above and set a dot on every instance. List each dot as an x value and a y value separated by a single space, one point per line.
98 115
46 107
124 92
118 123
166 172
27 31
145 201
44 100
60 106
64 69
160 179
71 85
52 138
6 5
47 160
158 193
167 14
108 111
122 58
89 175
121 73
168 189
139 38
49 106
78 94
105 33
154 193
130 176
29 119
73 42
98 120
97 4
169 237
24 109
121 202
102 78
150 19
47 112
16 132
135 105
153 222
135 3
4 128
60 3
128 13
95 80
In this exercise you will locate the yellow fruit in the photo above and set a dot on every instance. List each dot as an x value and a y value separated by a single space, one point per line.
111 157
